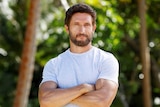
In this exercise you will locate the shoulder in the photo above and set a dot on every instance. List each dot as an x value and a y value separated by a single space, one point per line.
57 59
103 54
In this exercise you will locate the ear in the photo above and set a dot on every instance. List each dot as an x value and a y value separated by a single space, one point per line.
94 27
66 28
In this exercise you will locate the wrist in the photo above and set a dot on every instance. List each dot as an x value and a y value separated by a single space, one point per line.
85 88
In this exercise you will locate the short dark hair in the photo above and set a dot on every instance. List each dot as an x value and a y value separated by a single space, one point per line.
82 8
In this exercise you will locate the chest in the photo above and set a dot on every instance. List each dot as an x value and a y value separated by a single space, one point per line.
75 72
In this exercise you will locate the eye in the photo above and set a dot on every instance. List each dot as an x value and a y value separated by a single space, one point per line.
87 24
76 23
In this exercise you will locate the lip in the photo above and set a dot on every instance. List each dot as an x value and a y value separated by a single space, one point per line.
81 37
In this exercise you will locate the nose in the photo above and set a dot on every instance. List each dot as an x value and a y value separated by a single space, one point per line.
82 29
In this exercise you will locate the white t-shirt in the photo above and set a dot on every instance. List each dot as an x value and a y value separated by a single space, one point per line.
72 69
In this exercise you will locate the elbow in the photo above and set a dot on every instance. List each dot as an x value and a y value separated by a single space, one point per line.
43 102
97 103
103 103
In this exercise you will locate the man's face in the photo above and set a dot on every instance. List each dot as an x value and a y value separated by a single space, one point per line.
81 29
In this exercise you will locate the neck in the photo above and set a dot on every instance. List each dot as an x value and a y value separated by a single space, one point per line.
79 49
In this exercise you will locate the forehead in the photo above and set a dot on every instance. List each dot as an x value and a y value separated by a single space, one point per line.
81 17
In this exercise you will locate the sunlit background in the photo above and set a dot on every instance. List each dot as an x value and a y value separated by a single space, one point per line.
118 29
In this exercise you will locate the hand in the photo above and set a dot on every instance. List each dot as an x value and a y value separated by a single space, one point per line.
87 88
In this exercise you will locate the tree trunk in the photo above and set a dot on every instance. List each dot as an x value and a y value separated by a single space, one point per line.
145 55
65 4
27 61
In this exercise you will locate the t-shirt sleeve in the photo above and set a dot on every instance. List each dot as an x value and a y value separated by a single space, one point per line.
49 71
109 69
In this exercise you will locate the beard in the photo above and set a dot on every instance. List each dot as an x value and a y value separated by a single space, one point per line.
80 43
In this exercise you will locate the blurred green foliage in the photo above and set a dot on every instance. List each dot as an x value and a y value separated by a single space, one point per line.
118 27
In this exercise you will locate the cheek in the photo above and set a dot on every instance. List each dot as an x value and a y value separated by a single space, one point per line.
73 30
91 31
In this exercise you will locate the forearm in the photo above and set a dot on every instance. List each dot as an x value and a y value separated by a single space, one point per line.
91 99
59 97
103 96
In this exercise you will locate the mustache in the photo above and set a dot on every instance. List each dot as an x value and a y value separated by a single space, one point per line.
81 35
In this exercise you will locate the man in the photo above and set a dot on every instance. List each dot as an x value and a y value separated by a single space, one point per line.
83 75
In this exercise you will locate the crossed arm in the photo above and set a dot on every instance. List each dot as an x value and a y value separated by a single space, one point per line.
85 95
